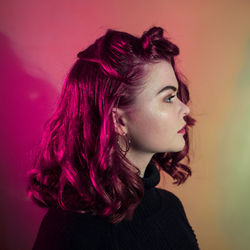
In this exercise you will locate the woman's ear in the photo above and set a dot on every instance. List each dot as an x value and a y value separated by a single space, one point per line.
119 121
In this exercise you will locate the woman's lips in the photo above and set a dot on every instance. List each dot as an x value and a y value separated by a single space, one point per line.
183 130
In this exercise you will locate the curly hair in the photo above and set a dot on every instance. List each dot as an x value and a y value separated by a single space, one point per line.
79 165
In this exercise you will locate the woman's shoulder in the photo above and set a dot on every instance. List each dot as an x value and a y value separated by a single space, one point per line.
170 199
62 229
173 204
167 194
64 220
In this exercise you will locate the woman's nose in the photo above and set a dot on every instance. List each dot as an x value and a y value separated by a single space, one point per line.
186 109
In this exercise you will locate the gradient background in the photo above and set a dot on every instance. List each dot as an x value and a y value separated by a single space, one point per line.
39 42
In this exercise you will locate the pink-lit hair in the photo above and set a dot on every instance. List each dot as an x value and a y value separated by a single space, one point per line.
80 166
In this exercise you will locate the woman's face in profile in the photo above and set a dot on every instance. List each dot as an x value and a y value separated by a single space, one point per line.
158 115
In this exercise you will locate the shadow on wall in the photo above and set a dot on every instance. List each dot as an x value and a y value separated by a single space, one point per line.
25 104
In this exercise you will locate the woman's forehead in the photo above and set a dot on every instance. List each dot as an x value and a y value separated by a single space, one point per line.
159 75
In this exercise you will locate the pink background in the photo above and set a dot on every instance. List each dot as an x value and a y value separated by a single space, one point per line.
39 42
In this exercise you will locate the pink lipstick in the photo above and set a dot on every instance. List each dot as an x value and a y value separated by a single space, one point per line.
183 130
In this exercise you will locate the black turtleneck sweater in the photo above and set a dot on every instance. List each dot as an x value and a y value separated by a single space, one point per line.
159 223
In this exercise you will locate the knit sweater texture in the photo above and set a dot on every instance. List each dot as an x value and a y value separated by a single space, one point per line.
159 223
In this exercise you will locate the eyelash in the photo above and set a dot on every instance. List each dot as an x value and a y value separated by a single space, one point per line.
170 98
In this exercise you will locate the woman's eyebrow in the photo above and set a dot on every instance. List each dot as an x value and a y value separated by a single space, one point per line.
166 88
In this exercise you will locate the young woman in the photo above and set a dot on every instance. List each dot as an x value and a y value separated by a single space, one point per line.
122 117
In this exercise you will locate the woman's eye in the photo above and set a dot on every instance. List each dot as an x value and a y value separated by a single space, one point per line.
169 98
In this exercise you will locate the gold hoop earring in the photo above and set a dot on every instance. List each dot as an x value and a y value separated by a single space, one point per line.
127 144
